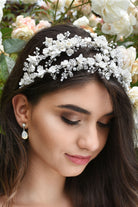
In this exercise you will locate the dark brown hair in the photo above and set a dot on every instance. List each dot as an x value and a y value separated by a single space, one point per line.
108 180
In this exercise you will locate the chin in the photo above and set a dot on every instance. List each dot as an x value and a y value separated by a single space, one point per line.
74 172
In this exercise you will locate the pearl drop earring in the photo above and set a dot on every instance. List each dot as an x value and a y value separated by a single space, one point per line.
24 134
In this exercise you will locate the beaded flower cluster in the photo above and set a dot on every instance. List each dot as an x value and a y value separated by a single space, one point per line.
108 60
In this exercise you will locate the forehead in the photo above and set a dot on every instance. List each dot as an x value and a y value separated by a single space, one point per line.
90 96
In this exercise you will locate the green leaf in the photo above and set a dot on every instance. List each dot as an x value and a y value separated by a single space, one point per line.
1 87
13 45
9 16
126 44
6 33
134 84
48 1
3 68
14 56
10 63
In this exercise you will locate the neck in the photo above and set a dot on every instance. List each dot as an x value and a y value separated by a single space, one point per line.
41 184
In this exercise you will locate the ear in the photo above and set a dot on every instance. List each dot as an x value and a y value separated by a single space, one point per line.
21 108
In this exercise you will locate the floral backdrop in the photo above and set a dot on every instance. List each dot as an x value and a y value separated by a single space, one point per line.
115 19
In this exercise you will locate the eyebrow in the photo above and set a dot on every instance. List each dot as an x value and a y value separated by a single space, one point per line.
80 110
75 108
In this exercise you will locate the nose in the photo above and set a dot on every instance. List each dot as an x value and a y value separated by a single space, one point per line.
89 139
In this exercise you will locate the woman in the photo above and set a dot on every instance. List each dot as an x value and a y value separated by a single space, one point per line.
67 125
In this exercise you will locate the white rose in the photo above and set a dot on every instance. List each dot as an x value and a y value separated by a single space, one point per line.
22 21
135 28
86 9
67 2
61 4
24 33
123 27
41 3
134 71
133 94
94 20
1 14
128 57
134 11
83 21
2 4
42 24
75 3
110 10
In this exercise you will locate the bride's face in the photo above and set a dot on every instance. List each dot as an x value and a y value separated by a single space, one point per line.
67 129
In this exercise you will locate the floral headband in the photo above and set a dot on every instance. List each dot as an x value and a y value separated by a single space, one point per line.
107 62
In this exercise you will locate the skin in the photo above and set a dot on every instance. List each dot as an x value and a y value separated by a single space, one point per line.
57 129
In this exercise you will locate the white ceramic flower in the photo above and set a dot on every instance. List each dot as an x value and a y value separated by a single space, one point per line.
40 71
123 27
83 21
52 69
110 10
98 57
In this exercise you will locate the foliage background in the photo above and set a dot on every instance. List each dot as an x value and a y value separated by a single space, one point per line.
54 12
54 15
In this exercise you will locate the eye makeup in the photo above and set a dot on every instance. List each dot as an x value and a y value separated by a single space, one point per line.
70 118
106 121
68 121
103 125
72 115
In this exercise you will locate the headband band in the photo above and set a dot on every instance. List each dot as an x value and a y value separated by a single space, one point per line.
108 60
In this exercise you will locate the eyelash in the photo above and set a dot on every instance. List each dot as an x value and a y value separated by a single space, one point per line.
102 125
68 121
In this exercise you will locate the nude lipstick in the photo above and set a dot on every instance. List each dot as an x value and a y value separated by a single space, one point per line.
79 160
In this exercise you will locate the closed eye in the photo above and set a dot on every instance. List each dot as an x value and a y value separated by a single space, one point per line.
70 122
103 125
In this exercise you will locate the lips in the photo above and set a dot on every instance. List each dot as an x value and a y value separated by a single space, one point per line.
79 160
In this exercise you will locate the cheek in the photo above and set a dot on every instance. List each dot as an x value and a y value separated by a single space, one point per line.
103 136
103 143
47 131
